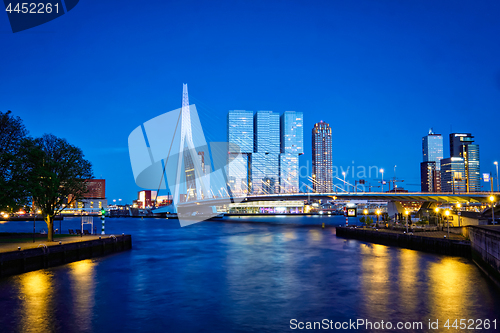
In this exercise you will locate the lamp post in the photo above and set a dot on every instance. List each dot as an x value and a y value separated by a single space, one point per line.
492 199
406 218
447 213
365 211
394 182
343 174
378 214
496 163
458 212
382 171
436 210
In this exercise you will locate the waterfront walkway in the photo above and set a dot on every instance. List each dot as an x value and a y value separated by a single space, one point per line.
433 234
9 245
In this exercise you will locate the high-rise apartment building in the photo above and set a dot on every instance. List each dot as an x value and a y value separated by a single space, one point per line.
240 135
292 145
453 178
322 158
462 145
432 151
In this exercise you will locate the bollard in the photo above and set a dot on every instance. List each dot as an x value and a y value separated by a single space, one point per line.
102 229
323 225
19 248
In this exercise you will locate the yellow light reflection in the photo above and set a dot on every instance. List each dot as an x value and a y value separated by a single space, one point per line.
290 235
83 290
375 280
36 291
315 235
267 239
449 293
408 273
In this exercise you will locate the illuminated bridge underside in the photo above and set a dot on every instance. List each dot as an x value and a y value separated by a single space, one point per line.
412 197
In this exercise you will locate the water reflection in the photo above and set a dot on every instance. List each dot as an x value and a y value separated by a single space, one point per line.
82 288
375 279
36 294
408 278
315 235
450 294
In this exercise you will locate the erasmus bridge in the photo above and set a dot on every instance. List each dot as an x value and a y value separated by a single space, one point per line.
172 149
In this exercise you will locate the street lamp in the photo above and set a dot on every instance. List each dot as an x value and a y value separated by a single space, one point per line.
496 163
382 171
447 213
436 210
343 174
378 214
406 218
458 212
492 199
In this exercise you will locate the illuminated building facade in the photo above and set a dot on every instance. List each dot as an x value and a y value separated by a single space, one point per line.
292 145
432 151
462 145
453 175
322 158
240 135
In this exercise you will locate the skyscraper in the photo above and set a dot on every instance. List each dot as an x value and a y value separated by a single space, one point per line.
292 139
453 175
240 137
265 158
428 176
322 158
432 151
462 145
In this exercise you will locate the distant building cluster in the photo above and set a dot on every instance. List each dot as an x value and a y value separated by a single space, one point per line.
264 151
93 201
148 199
458 173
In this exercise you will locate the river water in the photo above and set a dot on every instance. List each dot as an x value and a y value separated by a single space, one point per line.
244 275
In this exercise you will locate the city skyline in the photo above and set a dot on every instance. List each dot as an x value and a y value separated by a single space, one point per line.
384 75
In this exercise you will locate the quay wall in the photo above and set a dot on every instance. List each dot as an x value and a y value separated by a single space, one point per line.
413 242
485 245
17 262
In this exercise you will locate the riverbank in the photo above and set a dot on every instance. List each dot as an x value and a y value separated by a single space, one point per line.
456 245
18 257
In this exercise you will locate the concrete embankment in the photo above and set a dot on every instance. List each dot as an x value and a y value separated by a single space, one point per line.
485 245
408 241
17 262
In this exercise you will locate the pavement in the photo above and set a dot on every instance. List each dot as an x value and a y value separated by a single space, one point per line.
8 247
433 234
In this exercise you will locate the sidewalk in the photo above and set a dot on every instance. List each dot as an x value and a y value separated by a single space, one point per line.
433 234
9 247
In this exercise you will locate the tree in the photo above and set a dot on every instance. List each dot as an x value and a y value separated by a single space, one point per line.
13 193
56 172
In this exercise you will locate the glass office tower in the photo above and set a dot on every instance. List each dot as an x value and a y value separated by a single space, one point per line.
240 129
265 172
265 158
292 132
462 145
240 132
453 177
292 145
322 158
432 151
267 132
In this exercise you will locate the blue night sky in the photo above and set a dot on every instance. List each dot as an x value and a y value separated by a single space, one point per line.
380 72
